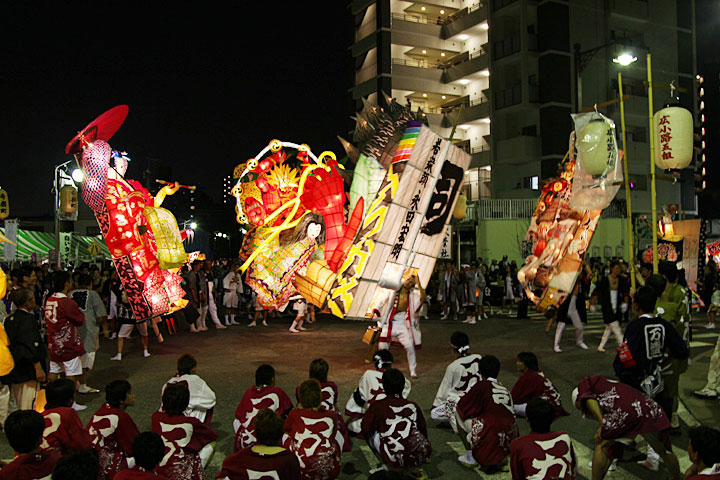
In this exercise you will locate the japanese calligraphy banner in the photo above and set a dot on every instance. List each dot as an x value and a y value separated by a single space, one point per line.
405 226
65 247
446 248
11 229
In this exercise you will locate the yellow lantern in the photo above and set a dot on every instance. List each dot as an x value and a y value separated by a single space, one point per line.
170 250
460 211
592 145
673 137
4 204
316 283
68 199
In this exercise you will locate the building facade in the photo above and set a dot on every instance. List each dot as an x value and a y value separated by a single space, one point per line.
509 74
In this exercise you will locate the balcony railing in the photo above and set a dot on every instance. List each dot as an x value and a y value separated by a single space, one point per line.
484 148
505 208
461 13
411 62
413 18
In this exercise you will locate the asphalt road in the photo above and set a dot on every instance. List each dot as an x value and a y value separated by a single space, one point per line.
228 359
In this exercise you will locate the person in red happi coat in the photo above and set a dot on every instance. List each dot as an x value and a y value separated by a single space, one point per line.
24 431
311 434
623 412
486 420
148 450
264 394
112 430
265 459
189 443
533 384
542 454
64 431
704 453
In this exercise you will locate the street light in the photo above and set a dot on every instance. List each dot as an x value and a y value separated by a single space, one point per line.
582 59
625 59
78 175
193 225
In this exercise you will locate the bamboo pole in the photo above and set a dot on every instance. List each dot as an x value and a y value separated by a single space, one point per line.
628 202
653 191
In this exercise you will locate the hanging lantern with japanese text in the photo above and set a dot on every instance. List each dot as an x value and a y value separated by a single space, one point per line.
596 146
68 199
4 204
673 137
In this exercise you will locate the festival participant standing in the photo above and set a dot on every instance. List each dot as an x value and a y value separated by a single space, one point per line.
623 412
300 305
192 286
189 443
202 399
613 291
460 376
311 432
369 390
533 384
126 318
210 287
112 430
27 349
542 454
265 459
24 431
395 427
509 292
472 306
64 431
62 318
402 324
448 290
232 286
202 286
92 307
573 308
264 394
486 419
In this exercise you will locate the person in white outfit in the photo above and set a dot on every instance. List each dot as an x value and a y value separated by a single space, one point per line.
402 323
212 308
369 390
202 398
460 376
232 286
573 309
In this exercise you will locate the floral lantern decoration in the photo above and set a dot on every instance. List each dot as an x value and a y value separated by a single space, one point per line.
593 145
4 204
673 137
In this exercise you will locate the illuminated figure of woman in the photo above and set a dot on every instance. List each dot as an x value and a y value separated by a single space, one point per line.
272 272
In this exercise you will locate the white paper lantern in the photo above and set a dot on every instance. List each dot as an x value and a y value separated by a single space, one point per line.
673 137
595 146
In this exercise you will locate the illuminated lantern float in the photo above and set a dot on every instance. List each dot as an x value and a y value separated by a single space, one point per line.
402 196
143 239
568 211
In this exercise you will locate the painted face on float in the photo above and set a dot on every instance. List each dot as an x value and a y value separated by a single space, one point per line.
314 230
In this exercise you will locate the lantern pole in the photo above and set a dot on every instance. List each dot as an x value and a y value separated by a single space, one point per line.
628 202
653 191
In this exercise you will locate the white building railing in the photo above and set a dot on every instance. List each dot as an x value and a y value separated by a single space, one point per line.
503 208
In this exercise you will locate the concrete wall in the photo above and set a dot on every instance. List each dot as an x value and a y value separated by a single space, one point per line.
496 238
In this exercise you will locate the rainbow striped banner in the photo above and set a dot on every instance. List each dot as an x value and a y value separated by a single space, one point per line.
406 145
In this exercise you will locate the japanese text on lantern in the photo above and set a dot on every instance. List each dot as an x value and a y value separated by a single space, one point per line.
415 202
665 136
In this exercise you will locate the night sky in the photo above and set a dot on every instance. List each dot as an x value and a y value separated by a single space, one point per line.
207 86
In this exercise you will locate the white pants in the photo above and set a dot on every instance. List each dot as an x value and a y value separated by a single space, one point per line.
206 453
402 334
445 413
202 310
213 311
